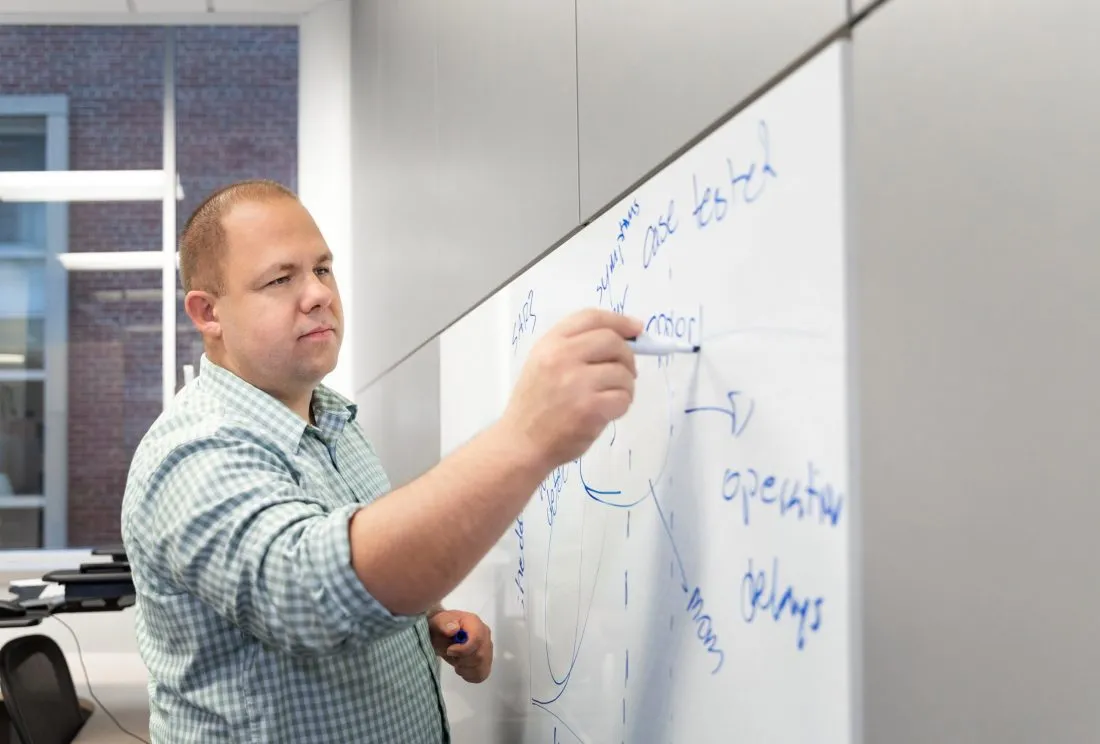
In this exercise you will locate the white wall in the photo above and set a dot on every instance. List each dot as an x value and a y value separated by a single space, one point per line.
324 148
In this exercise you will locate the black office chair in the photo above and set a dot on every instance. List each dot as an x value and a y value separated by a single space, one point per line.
38 691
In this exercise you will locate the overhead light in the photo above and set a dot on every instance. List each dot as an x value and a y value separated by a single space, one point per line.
13 359
114 261
84 185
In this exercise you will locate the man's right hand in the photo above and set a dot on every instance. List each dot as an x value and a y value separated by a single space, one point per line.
578 378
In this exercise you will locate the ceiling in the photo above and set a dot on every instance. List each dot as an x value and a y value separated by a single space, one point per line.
155 11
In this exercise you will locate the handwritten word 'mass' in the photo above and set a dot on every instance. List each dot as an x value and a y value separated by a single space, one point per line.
704 628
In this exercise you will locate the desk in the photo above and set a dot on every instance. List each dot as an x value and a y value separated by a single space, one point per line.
119 681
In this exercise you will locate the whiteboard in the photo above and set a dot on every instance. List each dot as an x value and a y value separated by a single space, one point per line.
688 578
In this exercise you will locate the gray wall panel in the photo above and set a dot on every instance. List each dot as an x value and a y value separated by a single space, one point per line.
400 415
507 108
468 166
396 225
977 292
653 75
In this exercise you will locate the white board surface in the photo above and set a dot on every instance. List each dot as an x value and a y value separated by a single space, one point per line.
688 578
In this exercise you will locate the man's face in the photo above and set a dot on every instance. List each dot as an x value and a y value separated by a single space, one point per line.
280 316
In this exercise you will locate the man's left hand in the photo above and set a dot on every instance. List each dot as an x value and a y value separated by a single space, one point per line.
473 659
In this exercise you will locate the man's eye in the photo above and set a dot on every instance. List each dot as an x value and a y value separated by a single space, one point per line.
323 270
279 280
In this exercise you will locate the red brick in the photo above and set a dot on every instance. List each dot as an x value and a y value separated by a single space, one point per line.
237 105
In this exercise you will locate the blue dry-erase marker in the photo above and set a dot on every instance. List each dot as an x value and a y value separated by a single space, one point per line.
657 347
460 637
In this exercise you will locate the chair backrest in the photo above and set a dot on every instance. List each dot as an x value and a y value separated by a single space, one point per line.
38 691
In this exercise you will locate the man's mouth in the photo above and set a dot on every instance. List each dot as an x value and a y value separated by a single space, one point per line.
319 332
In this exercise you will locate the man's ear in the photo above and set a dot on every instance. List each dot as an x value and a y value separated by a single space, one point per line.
202 309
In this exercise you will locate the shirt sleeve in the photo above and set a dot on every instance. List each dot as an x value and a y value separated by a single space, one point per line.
232 526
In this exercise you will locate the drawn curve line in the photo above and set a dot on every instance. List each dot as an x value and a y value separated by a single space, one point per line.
542 706
578 639
671 540
595 493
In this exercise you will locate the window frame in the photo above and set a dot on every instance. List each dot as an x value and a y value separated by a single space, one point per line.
54 500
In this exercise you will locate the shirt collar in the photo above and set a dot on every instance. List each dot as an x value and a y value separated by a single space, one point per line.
331 410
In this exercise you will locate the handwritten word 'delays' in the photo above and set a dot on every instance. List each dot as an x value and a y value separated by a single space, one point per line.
790 497
713 200
764 595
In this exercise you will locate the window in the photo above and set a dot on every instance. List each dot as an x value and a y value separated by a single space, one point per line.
26 479
82 370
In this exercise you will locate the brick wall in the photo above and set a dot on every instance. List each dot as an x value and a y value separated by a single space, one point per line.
236 118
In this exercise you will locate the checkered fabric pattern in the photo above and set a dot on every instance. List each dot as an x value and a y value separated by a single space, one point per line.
252 623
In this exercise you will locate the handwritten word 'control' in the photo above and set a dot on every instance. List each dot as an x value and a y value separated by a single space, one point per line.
672 324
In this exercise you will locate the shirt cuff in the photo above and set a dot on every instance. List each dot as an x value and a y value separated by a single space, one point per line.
342 586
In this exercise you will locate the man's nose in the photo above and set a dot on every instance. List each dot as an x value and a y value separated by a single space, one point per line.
317 294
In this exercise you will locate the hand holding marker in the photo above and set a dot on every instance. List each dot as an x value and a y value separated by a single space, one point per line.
655 347
641 345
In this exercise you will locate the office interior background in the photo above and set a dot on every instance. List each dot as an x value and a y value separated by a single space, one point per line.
444 145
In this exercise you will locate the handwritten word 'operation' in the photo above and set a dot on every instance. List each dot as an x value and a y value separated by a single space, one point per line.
525 321
789 497
713 202
765 594
550 491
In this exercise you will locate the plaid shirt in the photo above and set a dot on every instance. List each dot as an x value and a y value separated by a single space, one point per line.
249 617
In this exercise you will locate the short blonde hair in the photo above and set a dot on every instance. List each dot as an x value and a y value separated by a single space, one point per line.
203 241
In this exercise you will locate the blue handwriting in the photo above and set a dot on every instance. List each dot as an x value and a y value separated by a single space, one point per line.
704 628
620 306
526 315
672 325
657 234
624 223
550 491
791 497
712 205
614 260
764 593
731 411
518 531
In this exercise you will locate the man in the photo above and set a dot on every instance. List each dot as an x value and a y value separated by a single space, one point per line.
284 593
